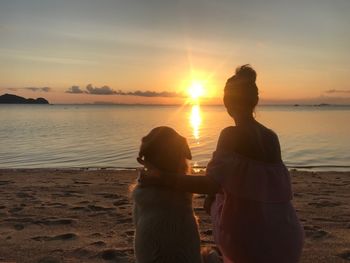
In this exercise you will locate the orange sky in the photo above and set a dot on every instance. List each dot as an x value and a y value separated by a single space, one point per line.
299 49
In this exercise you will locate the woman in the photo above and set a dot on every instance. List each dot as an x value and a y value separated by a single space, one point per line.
252 214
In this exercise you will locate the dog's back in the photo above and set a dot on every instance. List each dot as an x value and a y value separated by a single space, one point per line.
166 229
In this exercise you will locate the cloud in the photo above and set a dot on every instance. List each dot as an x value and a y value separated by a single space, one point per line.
75 90
106 90
337 91
43 89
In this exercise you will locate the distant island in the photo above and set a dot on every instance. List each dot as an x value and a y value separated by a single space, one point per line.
14 99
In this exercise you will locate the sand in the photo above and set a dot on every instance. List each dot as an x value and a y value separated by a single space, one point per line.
52 215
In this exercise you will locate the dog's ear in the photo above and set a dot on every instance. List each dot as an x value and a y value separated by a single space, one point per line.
186 149
146 144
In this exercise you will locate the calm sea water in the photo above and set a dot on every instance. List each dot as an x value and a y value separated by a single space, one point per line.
66 136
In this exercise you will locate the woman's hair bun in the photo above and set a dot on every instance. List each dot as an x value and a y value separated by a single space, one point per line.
241 90
246 73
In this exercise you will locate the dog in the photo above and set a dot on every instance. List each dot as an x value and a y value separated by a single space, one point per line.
166 227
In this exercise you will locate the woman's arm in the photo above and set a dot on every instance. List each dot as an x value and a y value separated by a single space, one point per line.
196 184
186 183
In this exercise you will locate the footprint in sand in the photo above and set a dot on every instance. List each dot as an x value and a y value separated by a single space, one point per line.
56 205
324 203
96 208
315 232
82 252
41 238
63 237
322 219
3 182
121 202
98 244
25 220
345 255
110 196
81 182
79 208
124 220
67 236
18 227
49 260
24 195
328 192
129 233
55 221
96 235
115 254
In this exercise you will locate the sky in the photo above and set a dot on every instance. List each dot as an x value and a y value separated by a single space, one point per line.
151 51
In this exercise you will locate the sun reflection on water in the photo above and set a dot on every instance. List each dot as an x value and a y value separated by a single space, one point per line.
196 120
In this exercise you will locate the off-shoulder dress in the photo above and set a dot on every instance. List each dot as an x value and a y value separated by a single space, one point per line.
254 219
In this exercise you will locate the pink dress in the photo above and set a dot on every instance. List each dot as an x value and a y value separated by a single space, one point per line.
254 220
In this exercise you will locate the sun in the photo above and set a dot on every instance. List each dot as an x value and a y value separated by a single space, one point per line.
196 90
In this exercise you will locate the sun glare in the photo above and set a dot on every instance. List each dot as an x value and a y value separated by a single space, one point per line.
196 90
195 120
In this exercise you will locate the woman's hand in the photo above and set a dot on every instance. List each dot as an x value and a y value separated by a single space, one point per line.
150 177
155 177
209 200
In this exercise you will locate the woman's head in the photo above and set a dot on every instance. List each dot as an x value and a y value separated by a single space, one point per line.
166 150
241 93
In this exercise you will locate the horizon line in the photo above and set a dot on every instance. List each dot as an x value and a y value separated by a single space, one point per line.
189 104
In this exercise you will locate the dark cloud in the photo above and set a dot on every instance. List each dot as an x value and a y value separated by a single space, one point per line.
75 90
40 89
106 90
35 89
337 91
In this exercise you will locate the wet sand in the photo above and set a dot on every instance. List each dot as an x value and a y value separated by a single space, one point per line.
53 215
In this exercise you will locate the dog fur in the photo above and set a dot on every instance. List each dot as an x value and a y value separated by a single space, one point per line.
166 228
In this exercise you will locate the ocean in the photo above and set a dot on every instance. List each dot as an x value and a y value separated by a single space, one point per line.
108 136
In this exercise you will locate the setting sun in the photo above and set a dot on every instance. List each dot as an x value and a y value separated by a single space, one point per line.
196 90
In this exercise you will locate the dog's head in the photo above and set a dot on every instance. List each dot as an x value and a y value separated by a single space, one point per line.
166 150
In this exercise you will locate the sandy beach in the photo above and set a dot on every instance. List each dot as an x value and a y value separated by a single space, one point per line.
53 215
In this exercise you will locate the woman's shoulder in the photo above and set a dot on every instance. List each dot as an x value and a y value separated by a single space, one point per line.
267 130
257 142
239 131
230 130
227 138
270 138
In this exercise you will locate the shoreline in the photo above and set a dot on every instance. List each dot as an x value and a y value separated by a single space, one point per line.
83 215
195 169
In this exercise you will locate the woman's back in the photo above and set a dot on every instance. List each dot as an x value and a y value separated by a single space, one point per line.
252 140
